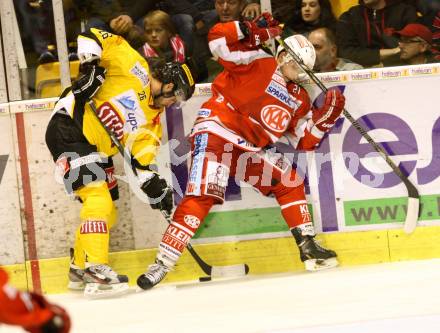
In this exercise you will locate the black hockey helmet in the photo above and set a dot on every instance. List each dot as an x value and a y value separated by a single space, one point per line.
183 78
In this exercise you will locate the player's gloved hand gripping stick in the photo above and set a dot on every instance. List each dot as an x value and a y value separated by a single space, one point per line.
212 271
413 194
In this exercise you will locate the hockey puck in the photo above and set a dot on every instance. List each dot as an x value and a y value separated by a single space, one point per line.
204 278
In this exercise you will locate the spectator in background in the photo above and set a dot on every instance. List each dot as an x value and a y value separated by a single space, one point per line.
364 32
427 10
430 11
192 20
230 10
283 10
35 19
187 18
309 15
324 42
251 10
116 16
435 27
415 44
161 38
236 10
163 41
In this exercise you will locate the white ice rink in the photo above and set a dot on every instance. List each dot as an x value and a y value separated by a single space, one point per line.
399 297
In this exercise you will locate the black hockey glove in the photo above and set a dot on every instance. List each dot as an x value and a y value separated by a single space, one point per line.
86 86
157 189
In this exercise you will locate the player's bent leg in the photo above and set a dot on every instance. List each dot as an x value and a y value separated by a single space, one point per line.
77 262
207 183
97 215
186 220
297 216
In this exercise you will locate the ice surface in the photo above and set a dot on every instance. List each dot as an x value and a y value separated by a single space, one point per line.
393 297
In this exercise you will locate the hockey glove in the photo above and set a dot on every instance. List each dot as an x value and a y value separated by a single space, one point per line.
86 86
325 117
255 36
159 193
266 20
60 321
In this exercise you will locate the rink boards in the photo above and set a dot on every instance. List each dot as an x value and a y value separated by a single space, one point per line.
357 202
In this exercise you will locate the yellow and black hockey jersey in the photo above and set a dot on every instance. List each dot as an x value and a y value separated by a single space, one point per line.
125 92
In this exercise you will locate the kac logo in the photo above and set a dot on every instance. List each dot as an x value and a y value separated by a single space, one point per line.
275 117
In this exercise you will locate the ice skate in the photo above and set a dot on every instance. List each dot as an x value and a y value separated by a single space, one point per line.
156 273
314 256
102 281
76 275
76 278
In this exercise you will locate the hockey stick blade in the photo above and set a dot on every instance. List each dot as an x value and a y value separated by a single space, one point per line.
213 271
219 271
229 271
413 204
412 215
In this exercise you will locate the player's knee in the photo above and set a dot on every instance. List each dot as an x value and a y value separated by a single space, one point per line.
281 190
193 210
97 203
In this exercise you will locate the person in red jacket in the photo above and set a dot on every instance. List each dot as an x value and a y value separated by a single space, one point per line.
30 310
256 101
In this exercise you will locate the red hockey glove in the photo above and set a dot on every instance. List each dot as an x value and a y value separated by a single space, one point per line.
325 117
58 323
266 20
255 36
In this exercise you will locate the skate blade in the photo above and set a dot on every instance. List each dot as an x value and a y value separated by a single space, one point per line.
320 264
99 290
78 285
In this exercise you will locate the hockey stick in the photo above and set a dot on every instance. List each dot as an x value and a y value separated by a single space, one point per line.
212 271
413 205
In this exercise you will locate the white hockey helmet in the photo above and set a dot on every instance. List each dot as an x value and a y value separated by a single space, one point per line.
302 48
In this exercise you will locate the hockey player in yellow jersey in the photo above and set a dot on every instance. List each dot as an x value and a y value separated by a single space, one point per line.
130 95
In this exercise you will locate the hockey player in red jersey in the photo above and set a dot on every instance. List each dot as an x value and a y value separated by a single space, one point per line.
256 101
30 311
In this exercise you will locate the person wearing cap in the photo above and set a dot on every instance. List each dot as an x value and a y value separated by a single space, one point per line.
415 44
117 89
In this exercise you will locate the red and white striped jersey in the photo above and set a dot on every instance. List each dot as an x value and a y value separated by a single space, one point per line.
251 97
